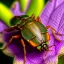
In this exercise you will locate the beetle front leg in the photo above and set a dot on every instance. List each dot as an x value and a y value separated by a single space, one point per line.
10 41
54 32
11 29
23 44
48 49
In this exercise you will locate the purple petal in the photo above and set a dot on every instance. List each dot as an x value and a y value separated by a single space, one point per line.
58 46
47 12
53 15
56 16
52 60
61 28
16 10
2 26
59 2
49 9
56 21
61 25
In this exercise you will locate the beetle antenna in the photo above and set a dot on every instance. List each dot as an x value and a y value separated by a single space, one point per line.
52 46
33 17
48 49
47 52
11 29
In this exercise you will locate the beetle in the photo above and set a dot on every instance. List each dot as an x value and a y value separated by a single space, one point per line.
32 30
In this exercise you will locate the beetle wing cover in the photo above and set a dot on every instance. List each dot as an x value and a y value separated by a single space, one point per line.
34 27
28 35
41 27
43 30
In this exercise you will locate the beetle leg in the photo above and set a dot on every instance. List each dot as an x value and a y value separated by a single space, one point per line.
48 49
10 41
47 52
38 19
55 36
23 44
10 29
54 32
51 46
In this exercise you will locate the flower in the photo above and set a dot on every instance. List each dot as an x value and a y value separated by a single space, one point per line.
52 15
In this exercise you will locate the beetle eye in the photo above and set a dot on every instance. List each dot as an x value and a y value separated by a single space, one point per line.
44 45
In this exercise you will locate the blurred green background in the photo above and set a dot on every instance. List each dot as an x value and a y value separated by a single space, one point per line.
9 2
9 60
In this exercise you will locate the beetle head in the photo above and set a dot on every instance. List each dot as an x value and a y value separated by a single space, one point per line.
44 46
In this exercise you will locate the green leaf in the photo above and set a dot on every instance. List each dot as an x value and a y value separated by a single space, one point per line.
5 14
61 60
35 7
23 4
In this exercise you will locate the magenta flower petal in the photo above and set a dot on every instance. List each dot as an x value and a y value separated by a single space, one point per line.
52 60
56 16
55 19
47 12
58 2
2 26
16 10
58 46
61 28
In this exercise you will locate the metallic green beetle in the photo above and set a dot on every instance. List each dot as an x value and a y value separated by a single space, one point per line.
32 30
